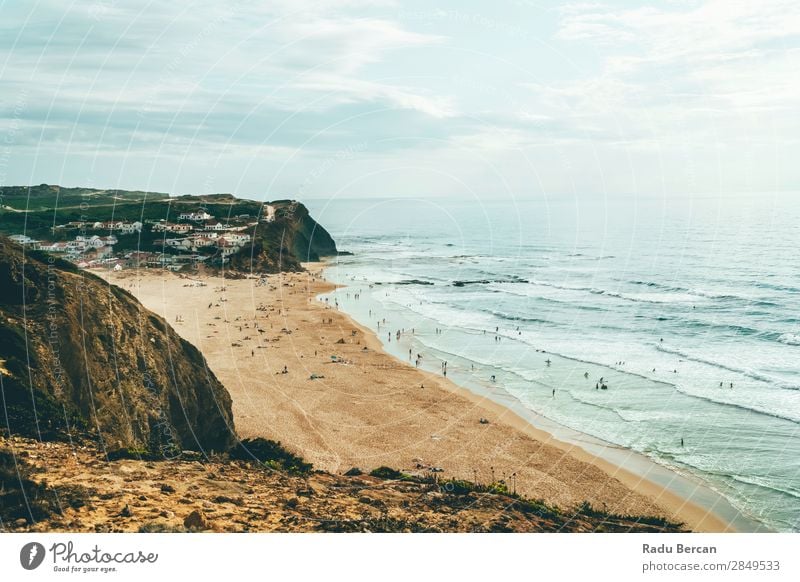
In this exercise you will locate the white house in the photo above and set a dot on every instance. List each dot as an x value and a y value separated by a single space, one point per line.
202 241
130 227
269 211
195 216
227 247
25 241
90 241
54 247
178 243
237 238
216 226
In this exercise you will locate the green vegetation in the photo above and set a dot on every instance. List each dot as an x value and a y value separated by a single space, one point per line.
389 473
51 213
587 510
463 487
271 454
48 197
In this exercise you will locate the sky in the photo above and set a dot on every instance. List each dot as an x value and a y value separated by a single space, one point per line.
361 98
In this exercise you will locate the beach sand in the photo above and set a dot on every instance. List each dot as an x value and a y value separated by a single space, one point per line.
368 409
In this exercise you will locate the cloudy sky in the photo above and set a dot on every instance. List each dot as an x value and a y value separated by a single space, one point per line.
345 98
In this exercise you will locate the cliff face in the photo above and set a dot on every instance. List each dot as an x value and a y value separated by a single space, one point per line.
78 353
309 240
282 245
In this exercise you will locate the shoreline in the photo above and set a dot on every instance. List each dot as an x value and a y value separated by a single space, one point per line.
636 478
367 409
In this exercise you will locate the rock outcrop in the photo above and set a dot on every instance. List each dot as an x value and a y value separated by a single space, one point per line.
294 237
78 354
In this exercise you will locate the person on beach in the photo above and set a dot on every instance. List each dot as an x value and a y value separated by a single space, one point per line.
554 392
681 441
493 378
586 375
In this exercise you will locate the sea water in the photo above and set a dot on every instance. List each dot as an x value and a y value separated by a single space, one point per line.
687 310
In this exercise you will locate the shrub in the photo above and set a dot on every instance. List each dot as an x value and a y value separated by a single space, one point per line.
388 473
271 454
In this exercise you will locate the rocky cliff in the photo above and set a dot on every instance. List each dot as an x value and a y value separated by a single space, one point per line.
294 237
78 354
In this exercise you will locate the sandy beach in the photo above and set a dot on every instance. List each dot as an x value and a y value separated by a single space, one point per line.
305 374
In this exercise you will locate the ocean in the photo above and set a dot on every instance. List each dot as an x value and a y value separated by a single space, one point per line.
688 308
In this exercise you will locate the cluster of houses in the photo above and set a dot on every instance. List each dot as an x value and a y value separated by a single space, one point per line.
203 232
82 248
118 226
195 238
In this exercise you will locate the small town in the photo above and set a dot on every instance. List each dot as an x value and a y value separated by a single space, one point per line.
196 237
